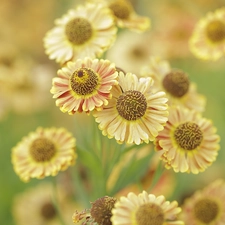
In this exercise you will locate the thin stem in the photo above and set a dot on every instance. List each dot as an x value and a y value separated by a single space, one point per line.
81 194
56 203
157 175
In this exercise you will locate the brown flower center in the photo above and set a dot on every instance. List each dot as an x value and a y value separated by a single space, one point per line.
139 53
42 149
48 211
131 105
215 31
176 83
101 210
149 214
78 31
188 135
121 9
206 210
84 81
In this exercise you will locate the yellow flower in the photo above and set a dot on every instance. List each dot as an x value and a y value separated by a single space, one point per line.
131 51
176 83
134 114
145 209
88 30
43 153
206 206
36 206
84 85
208 39
125 15
188 143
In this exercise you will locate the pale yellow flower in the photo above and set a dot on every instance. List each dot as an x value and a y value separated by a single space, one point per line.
189 142
84 85
131 51
145 209
134 114
86 31
206 206
175 83
44 153
37 205
24 84
208 39
125 15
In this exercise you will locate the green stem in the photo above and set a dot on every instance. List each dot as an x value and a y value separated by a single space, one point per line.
157 175
56 203
81 194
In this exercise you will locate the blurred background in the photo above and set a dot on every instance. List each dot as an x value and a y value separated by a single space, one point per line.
26 73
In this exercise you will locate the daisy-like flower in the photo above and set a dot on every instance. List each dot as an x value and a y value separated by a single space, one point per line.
206 206
84 85
176 83
208 38
87 30
189 142
44 153
134 114
125 15
131 51
145 209
39 202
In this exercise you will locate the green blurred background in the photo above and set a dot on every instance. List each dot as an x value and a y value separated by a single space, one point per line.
24 23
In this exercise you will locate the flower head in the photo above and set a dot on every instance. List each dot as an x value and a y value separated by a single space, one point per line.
206 206
88 30
38 200
176 83
145 209
134 114
101 210
208 39
84 85
125 15
131 51
188 143
43 153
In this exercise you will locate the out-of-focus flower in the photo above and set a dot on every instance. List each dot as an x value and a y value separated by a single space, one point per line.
188 143
131 51
205 206
41 202
86 31
25 84
142 208
84 85
22 34
169 36
43 153
176 84
125 15
208 39
134 114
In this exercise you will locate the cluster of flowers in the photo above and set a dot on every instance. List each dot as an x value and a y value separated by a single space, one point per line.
159 105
